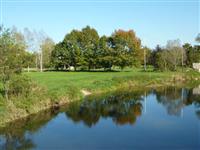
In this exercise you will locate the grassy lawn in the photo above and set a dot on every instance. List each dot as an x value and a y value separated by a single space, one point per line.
63 81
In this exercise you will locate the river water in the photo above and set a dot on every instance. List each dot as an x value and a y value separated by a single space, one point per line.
164 118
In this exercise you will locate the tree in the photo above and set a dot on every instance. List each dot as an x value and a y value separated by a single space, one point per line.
105 58
28 60
170 57
159 58
72 42
196 58
35 41
47 46
127 48
85 49
190 55
176 54
12 50
154 57
89 46
146 53
60 56
162 59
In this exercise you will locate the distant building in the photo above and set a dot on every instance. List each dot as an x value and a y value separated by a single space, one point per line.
196 66
196 91
71 68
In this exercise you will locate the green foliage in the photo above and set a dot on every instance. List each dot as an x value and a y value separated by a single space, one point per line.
106 53
19 85
73 44
174 55
90 39
85 48
192 54
29 59
127 48
60 56
13 59
12 50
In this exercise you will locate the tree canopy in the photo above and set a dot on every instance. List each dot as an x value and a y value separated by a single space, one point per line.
87 50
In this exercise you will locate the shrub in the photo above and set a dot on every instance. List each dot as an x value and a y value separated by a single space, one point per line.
19 85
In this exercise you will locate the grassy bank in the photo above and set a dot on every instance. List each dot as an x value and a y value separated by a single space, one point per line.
58 88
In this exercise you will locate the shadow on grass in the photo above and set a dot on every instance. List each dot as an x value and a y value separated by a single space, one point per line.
87 71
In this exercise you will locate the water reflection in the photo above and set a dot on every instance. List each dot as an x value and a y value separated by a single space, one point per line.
173 99
17 135
125 107
196 99
122 106
18 143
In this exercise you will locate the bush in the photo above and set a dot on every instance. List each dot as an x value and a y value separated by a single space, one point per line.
19 85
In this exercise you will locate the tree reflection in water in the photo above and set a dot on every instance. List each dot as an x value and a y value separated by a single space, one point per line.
17 135
18 143
122 106
175 99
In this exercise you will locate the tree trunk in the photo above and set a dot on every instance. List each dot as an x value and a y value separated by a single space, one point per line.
36 62
41 65
28 68
145 67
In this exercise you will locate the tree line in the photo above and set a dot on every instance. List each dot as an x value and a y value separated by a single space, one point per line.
85 50
175 55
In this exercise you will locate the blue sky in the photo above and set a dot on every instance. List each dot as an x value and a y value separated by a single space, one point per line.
154 21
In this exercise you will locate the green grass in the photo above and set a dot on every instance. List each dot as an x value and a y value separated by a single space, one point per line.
62 81
61 87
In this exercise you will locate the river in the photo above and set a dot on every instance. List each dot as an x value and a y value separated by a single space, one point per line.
162 118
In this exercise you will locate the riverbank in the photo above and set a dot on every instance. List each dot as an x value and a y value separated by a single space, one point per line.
60 88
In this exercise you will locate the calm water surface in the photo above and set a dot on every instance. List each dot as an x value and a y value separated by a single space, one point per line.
165 118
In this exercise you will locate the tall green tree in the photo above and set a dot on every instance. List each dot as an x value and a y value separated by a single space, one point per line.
196 58
89 46
190 54
60 57
106 53
153 60
12 50
127 48
72 42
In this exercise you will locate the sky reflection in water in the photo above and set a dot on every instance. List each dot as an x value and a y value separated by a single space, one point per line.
165 118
